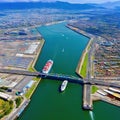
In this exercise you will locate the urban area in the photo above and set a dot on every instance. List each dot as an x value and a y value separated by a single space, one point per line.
21 43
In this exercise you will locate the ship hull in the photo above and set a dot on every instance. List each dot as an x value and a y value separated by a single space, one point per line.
63 85
46 69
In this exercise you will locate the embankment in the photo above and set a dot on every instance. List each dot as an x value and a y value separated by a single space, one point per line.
81 69
31 68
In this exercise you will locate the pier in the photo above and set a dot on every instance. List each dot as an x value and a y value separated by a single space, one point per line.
87 101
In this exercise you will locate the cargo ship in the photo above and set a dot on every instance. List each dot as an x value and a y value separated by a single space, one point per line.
46 69
63 85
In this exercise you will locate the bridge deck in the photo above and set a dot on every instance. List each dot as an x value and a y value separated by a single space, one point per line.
43 75
62 77
87 102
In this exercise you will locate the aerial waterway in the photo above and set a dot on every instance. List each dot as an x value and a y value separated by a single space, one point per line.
64 47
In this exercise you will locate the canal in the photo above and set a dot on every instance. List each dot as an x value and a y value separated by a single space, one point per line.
64 47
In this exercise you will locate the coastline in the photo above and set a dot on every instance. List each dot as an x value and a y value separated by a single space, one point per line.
37 55
37 80
95 96
84 53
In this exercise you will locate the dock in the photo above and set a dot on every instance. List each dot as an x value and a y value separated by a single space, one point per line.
87 101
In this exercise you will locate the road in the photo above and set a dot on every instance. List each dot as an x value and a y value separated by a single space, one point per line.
16 112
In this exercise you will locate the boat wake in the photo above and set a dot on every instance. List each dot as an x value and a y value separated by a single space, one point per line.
55 52
91 115
63 50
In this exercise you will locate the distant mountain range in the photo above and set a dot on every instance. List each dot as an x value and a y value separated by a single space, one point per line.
54 5
57 5
111 4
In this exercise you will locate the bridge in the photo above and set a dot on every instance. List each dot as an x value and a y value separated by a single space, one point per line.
52 76
62 77
87 104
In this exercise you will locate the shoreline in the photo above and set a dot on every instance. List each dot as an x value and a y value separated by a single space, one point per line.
42 41
95 96
33 66
84 53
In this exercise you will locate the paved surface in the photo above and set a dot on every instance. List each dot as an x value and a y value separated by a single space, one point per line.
23 83
43 75
87 102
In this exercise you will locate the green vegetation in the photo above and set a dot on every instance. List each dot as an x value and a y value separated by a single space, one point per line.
18 101
94 89
31 69
36 79
31 90
3 89
83 71
5 107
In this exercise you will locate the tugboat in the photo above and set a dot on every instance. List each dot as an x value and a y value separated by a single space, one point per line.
63 85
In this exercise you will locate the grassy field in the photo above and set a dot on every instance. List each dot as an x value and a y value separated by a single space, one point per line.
5 107
83 71
94 89
31 69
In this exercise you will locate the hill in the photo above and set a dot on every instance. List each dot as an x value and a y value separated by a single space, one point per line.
53 5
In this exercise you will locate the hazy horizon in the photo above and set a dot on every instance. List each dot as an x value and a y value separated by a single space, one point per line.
70 1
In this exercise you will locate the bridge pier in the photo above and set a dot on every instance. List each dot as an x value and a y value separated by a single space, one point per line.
87 101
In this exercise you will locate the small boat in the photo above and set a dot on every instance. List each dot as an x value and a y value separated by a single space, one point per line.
63 85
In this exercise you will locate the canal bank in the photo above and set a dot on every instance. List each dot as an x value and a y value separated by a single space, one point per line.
32 65
31 68
58 47
47 103
81 69
18 111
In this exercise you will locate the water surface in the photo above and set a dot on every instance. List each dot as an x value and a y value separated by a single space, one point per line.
64 47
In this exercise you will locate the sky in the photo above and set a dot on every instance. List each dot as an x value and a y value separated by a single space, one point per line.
71 1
